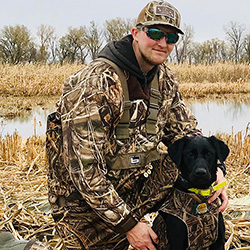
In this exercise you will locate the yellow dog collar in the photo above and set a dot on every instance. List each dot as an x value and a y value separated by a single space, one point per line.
207 192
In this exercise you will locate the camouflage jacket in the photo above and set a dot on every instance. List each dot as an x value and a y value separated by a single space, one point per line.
91 106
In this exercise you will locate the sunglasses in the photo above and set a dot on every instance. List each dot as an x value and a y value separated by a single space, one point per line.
157 34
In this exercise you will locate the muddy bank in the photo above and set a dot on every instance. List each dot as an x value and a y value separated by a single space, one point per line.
13 106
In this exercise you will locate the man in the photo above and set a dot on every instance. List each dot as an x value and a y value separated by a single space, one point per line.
114 166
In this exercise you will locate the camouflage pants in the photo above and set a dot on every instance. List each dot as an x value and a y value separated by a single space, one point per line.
76 229
68 233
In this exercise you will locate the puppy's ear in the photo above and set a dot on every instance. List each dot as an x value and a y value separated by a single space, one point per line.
221 148
175 150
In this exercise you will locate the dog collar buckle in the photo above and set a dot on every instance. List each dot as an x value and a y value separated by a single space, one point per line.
211 190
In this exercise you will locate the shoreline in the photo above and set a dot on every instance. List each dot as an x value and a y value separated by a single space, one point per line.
19 106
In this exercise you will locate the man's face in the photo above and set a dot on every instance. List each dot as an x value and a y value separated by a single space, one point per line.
151 52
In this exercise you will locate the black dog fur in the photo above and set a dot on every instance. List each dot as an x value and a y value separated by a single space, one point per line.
197 159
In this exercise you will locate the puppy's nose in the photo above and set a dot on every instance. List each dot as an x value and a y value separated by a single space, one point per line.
200 172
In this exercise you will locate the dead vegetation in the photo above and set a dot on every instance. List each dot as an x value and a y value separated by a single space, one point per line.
34 79
237 214
195 80
25 211
24 208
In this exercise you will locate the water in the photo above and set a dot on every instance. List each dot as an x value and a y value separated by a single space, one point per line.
226 117
213 117
32 124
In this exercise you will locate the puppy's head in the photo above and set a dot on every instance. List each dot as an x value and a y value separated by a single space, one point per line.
197 158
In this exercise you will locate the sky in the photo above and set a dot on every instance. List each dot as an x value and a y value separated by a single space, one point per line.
207 17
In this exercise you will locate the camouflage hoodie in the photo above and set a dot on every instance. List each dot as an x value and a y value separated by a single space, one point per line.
89 199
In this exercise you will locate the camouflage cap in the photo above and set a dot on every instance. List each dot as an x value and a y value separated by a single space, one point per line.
160 12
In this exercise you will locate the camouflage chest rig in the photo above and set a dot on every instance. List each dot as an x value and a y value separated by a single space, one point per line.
137 159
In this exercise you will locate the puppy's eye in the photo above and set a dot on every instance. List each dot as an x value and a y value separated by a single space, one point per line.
191 155
208 154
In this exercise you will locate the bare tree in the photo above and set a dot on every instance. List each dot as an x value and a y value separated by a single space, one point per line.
182 48
46 34
247 49
117 28
214 51
72 46
16 44
234 33
197 53
53 48
93 39
210 51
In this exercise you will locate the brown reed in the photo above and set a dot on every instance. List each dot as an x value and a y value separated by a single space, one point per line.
34 79
237 215
195 80
227 72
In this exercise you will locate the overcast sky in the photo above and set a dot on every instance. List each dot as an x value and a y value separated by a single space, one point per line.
207 17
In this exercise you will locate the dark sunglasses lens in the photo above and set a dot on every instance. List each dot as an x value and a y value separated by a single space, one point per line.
172 38
155 34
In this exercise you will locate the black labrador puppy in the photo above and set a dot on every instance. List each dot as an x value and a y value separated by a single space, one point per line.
192 223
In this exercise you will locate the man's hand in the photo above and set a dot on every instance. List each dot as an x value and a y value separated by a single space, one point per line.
141 236
222 192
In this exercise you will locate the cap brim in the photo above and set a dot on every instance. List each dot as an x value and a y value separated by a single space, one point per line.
149 23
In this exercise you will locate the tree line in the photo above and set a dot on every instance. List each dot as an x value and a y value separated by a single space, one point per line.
18 46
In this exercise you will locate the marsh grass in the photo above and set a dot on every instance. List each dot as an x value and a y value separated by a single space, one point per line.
34 79
213 73
195 80
24 208
237 215
215 80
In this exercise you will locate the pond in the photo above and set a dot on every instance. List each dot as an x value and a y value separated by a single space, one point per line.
212 116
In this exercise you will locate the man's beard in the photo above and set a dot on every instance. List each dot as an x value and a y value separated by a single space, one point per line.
147 60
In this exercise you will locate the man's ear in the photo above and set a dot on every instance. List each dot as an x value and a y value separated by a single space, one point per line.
175 150
134 33
221 148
